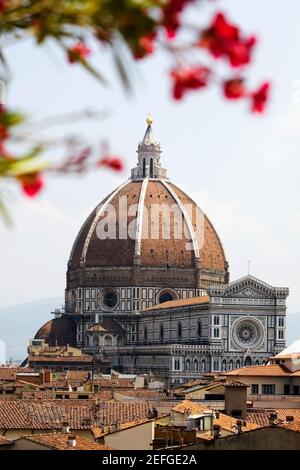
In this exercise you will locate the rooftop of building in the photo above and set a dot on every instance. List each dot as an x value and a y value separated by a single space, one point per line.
270 370
179 303
80 414
60 441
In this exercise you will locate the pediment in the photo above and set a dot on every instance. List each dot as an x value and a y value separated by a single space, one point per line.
249 287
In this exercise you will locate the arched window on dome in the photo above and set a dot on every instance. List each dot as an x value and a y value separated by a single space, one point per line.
231 364
187 364
161 332
238 364
179 330
151 167
257 362
203 365
144 168
196 365
96 341
224 365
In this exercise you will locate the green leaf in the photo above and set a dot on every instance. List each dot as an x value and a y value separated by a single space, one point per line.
119 62
93 71
4 214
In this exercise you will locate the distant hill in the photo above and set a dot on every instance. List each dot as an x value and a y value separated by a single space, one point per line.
19 323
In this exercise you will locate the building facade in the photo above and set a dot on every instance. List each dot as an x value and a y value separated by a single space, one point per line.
148 285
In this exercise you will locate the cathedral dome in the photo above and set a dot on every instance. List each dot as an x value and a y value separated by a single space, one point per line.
58 332
147 232
90 251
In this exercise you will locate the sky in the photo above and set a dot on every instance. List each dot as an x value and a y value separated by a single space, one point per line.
242 170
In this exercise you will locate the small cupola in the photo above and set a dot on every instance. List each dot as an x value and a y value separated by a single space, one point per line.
148 165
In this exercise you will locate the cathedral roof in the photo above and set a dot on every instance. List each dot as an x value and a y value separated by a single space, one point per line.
180 303
58 332
150 222
107 325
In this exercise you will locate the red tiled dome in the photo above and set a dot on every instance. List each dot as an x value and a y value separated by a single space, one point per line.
90 251
153 254
58 332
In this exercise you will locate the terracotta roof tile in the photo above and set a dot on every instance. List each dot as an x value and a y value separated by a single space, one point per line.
179 303
272 370
48 358
261 416
80 414
228 423
4 441
144 393
191 407
108 324
115 382
10 373
78 375
59 441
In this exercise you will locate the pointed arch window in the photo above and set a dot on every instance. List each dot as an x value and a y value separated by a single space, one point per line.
151 167
144 168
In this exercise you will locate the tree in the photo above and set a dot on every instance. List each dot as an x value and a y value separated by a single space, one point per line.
143 27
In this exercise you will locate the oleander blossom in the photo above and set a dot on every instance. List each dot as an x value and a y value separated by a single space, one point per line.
31 183
234 88
260 98
171 16
111 161
80 51
145 46
189 78
223 39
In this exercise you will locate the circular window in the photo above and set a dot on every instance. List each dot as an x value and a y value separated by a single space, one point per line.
248 333
108 299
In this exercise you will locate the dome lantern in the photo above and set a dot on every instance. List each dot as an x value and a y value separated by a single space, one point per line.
148 151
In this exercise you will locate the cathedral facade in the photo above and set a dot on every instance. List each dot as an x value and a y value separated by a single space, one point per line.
148 286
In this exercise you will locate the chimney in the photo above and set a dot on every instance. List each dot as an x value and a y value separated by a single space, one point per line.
72 440
273 419
239 426
216 431
289 419
114 426
65 427
45 376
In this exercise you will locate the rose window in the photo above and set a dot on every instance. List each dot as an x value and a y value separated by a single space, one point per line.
246 333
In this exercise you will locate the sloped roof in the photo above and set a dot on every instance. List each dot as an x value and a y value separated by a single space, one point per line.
107 325
59 441
271 370
80 414
179 303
